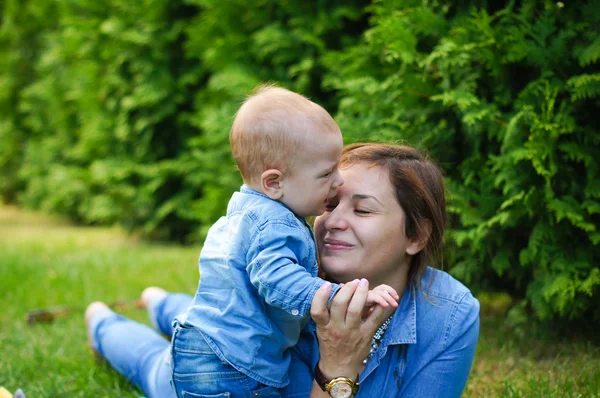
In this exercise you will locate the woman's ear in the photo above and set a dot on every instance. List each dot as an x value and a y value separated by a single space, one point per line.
271 183
418 243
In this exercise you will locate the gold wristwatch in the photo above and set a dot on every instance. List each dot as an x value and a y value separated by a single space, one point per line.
338 387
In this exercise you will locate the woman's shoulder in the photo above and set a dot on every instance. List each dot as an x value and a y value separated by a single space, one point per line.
446 305
446 328
441 286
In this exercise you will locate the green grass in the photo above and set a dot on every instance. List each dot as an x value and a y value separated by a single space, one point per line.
532 363
45 262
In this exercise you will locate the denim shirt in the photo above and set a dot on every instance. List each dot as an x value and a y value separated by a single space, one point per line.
258 273
426 352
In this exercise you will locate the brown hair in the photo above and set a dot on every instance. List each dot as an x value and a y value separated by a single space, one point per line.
272 126
419 187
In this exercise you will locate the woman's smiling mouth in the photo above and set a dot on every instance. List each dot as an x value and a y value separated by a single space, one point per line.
334 244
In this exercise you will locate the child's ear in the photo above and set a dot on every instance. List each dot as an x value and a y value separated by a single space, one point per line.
271 183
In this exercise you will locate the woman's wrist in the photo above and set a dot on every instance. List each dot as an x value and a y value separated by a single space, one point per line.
333 370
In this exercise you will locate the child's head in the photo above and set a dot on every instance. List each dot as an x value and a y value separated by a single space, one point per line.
287 147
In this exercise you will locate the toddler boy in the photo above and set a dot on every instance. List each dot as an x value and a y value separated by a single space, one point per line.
258 265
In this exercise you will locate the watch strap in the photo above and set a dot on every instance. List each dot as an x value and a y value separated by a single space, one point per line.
322 381
320 378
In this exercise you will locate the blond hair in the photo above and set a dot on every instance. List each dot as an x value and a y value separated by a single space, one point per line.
272 126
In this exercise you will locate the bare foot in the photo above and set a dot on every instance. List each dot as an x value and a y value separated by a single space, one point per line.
151 294
90 311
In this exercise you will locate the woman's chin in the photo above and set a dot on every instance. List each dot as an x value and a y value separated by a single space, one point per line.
339 272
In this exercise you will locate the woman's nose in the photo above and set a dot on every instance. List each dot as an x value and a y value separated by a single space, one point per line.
335 219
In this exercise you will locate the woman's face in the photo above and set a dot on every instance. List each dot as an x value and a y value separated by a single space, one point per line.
361 233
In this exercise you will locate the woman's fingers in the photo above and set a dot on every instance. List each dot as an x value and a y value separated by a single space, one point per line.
357 304
348 305
318 308
339 304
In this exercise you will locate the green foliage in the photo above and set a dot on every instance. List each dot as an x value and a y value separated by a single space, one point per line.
504 99
104 115
118 112
128 106
21 30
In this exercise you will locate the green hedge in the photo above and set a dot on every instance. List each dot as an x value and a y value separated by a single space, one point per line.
506 100
114 111
124 117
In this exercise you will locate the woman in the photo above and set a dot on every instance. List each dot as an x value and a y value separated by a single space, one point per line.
385 225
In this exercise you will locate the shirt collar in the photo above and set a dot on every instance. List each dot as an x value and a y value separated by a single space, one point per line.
403 327
246 189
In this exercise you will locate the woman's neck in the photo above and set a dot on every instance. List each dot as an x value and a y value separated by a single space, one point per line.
397 280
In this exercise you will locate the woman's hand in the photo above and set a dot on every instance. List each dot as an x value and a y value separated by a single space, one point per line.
344 336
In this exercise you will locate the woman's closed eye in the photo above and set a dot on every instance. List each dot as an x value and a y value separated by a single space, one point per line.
362 211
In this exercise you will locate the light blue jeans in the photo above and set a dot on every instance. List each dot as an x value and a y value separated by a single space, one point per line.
137 351
144 357
198 371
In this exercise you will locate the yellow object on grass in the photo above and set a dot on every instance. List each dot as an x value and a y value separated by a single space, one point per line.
4 393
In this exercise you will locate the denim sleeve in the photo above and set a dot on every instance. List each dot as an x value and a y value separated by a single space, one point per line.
446 375
275 269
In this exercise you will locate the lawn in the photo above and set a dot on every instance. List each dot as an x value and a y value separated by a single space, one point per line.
45 262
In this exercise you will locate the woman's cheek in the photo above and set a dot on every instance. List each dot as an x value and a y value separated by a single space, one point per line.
318 229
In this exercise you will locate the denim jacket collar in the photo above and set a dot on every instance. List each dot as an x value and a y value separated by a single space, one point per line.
247 190
403 328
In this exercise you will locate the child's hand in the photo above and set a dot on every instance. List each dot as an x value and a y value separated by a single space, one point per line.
384 296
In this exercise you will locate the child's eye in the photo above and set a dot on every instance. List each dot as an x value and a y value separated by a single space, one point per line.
359 211
326 175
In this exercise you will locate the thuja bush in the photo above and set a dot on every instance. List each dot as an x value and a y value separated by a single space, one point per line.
21 30
124 114
506 100
101 113
240 45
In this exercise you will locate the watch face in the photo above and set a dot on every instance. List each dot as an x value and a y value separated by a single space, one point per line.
340 390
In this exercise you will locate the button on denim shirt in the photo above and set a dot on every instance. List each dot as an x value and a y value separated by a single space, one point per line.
426 352
258 276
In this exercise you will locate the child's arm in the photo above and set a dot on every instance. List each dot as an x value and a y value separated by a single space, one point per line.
277 266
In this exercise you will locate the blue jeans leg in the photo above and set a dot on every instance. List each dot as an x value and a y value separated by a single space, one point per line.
165 309
135 351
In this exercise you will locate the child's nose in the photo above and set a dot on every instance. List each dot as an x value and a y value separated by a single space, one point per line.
339 181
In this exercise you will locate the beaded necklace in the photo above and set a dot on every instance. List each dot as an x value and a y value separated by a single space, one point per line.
377 339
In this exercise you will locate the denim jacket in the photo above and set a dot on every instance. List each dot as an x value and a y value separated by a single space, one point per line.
258 273
426 352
